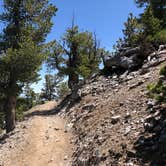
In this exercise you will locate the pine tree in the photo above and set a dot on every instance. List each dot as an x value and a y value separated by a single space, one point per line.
30 96
22 48
76 55
158 8
63 90
132 31
49 92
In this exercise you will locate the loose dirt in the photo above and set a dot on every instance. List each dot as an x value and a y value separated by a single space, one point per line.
44 141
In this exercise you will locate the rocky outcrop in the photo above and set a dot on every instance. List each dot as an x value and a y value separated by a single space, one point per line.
127 58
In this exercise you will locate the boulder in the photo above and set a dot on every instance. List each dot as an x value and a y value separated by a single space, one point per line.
127 59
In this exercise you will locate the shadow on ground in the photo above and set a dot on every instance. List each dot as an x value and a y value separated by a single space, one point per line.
66 103
151 145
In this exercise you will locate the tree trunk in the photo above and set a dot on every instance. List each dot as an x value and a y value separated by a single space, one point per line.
73 80
10 113
73 83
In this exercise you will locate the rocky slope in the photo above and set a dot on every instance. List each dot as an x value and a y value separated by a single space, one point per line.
116 123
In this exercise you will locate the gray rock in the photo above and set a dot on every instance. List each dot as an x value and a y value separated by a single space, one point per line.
151 103
115 119
161 47
88 107
127 130
127 59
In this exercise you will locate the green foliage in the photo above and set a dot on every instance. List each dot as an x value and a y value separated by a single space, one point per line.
20 113
151 24
163 71
76 55
147 31
132 31
158 8
133 34
2 121
63 90
158 90
22 63
22 48
30 97
49 92
160 37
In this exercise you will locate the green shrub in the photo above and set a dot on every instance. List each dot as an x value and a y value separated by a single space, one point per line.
20 113
158 90
163 71
2 121
161 36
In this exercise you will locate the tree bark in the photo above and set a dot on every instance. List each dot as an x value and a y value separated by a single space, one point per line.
10 113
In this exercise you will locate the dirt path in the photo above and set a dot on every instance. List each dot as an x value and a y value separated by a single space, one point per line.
45 143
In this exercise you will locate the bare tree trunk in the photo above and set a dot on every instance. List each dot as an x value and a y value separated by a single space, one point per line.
10 113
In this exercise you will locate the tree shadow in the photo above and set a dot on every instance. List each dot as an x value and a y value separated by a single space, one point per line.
66 103
151 145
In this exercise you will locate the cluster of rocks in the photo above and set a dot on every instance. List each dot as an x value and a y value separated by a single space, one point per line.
115 122
127 58
131 58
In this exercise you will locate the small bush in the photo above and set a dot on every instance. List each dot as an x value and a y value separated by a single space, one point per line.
160 37
2 121
158 90
163 71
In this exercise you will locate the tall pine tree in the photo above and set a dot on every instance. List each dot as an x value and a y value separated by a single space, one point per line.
22 48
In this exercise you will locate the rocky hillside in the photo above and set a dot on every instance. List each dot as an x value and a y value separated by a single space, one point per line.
116 123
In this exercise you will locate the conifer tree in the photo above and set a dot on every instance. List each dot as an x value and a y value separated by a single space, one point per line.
27 23
49 92
76 55
63 90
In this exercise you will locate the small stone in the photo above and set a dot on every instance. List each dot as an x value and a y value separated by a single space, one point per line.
123 145
129 164
130 154
51 160
151 103
88 107
127 116
148 126
56 129
66 157
127 130
121 104
115 119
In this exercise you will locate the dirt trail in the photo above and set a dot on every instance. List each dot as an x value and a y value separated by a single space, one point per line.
45 143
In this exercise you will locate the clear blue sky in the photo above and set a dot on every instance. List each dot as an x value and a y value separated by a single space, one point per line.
105 17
